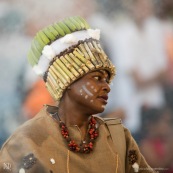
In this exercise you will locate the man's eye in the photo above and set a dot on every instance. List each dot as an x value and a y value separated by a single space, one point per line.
106 80
97 77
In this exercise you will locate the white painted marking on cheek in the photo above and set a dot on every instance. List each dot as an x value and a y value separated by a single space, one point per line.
88 83
95 90
103 106
86 96
87 91
92 87
91 101
81 92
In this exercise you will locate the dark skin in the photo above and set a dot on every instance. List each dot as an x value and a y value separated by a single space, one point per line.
86 96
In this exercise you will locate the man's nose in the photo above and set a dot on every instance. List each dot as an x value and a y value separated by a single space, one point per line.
106 87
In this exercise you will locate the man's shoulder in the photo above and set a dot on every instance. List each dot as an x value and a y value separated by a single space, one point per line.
23 143
109 121
27 130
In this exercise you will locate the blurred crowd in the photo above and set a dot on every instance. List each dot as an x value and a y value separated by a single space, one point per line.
138 37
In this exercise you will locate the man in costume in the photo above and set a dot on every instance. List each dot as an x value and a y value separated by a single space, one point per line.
68 138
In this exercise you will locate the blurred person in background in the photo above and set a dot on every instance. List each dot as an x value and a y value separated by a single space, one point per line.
157 142
164 11
13 68
141 35
108 15
137 48
35 98
147 58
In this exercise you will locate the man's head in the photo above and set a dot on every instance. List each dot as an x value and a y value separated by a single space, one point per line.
90 92
66 51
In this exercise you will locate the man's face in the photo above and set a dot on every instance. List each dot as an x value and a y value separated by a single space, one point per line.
91 91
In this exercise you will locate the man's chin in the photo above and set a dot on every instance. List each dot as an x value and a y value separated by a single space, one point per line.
101 109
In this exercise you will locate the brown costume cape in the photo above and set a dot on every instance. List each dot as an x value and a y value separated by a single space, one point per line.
38 147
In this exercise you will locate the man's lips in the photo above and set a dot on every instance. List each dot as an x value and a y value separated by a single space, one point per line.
103 97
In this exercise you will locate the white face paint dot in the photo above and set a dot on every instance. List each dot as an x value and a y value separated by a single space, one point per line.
86 96
81 91
95 90
91 101
103 106
22 170
92 87
88 83
52 161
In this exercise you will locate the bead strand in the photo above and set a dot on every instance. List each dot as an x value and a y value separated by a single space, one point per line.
83 148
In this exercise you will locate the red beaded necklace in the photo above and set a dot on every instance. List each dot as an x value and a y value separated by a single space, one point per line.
83 147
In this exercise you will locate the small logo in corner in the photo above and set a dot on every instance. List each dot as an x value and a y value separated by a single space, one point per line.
7 166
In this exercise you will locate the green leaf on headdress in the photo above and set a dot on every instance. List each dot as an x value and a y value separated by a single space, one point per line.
84 22
59 30
36 52
63 26
70 25
49 34
77 19
75 22
43 37
52 33
39 40
31 58
38 45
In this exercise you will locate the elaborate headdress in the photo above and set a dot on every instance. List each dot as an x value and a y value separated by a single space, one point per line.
65 51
